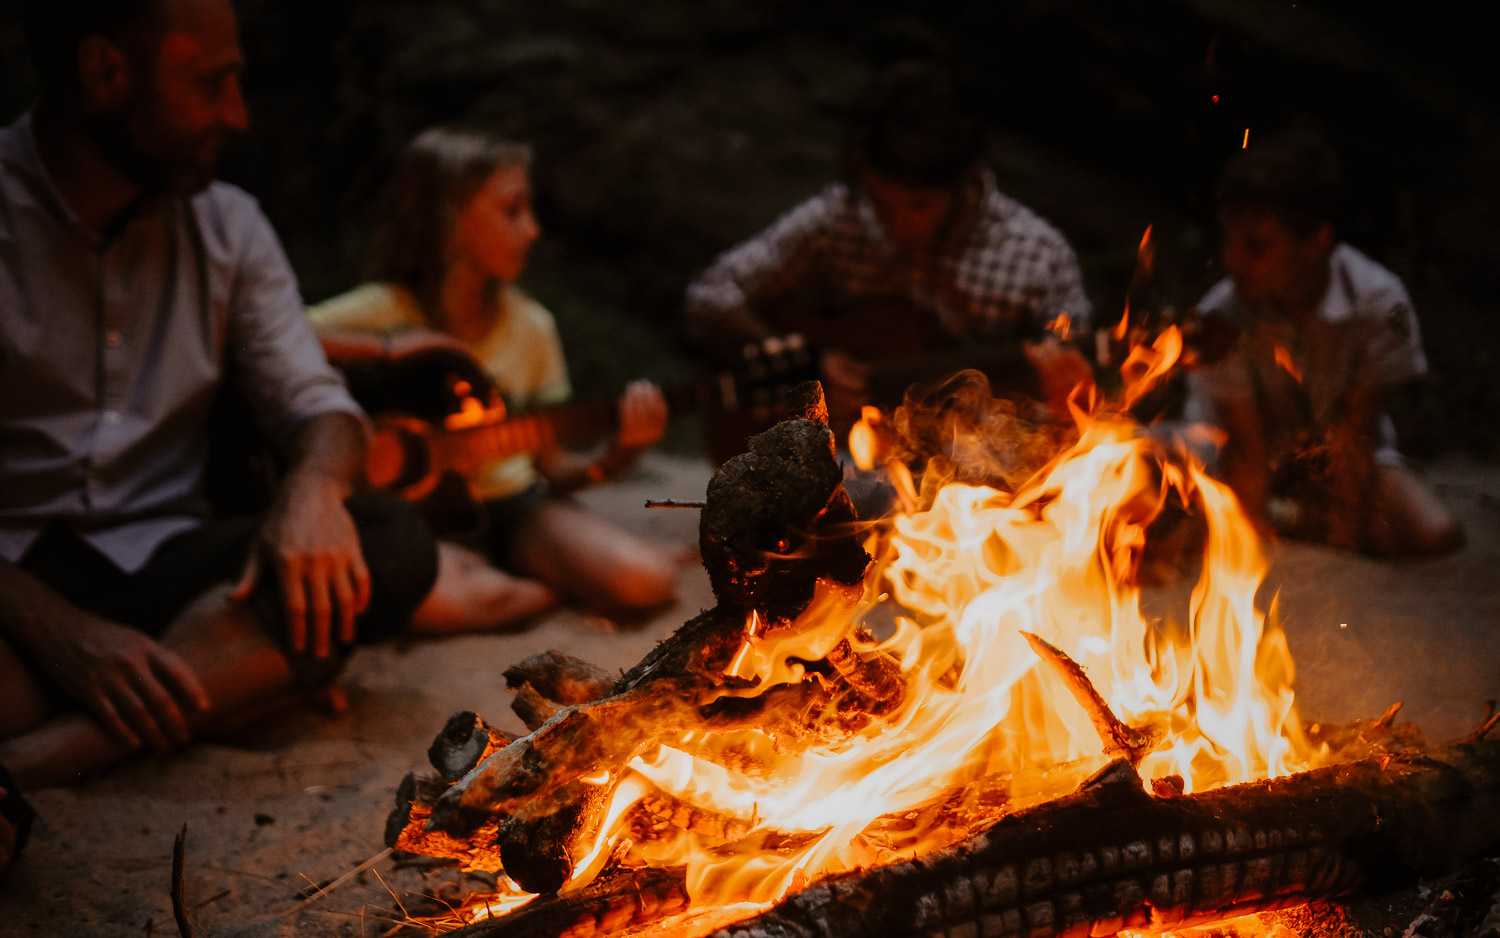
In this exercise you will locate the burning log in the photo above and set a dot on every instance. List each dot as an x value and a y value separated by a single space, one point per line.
531 707
561 678
1111 857
778 520
464 742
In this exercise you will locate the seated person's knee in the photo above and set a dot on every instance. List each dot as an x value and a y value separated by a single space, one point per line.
644 580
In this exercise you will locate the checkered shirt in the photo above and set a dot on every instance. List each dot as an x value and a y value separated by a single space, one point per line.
1000 272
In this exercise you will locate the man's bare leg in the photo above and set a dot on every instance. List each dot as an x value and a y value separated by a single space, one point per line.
222 642
1407 518
580 553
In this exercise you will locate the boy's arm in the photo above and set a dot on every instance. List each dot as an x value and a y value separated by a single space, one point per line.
1351 467
727 303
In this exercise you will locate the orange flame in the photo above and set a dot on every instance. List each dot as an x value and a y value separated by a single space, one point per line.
1284 359
960 577
961 572
1145 260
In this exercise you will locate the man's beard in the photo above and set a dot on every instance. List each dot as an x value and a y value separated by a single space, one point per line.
153 175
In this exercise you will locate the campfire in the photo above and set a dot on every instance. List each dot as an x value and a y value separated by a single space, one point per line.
962 717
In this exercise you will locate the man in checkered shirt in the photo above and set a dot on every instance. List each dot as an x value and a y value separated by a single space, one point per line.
918 252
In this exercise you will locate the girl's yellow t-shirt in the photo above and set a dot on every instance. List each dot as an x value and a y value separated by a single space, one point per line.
522 353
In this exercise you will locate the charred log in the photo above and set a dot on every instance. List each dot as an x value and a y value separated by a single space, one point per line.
561 678
777 520
1111 857
531 707
464 742
601 737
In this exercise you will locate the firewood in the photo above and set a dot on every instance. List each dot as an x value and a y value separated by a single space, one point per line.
601 737
464 742
531 707
778 520
561 678
538 846
406 828
1119 739
877 676
1110 857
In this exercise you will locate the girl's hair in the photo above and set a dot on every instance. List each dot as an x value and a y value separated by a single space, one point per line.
436 175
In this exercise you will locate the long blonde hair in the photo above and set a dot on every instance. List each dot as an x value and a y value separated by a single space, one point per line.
437 174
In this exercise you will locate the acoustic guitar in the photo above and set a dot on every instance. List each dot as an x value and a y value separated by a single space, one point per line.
436 423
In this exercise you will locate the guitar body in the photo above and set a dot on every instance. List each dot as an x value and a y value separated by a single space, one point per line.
409 400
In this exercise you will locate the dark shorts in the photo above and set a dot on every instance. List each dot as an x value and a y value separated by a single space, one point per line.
502 520
399 550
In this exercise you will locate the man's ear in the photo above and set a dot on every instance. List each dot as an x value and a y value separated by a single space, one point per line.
104 72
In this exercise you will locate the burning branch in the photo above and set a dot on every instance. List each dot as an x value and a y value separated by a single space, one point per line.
1120 741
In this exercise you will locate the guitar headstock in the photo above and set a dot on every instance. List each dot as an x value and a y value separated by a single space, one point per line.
766 371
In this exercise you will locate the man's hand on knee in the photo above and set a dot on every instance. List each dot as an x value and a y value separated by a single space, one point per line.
139 690
312 546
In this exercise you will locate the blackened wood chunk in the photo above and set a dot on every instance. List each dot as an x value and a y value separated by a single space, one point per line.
561 678
412 791
396 821
777 520
805 401
464 741
712 635
531 707
537 851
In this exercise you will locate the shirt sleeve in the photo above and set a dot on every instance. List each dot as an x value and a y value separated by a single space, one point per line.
774 264
370 307
553 386
281 367
1392 349
1065 291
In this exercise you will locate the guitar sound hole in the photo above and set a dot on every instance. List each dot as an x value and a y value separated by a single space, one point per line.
397 459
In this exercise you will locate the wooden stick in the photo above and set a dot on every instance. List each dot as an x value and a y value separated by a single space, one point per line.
1484 729
1119 739
1389 716
673 503
179 884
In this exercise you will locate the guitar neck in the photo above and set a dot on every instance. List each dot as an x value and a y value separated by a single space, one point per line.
467 448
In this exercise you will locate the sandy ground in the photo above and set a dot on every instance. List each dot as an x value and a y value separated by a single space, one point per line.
304 799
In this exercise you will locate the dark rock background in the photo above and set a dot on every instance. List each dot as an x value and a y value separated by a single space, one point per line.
666 130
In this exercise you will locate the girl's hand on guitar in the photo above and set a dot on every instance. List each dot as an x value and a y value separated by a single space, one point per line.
643 416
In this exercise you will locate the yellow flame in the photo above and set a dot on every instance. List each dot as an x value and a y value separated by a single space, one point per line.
1284 359
863 443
